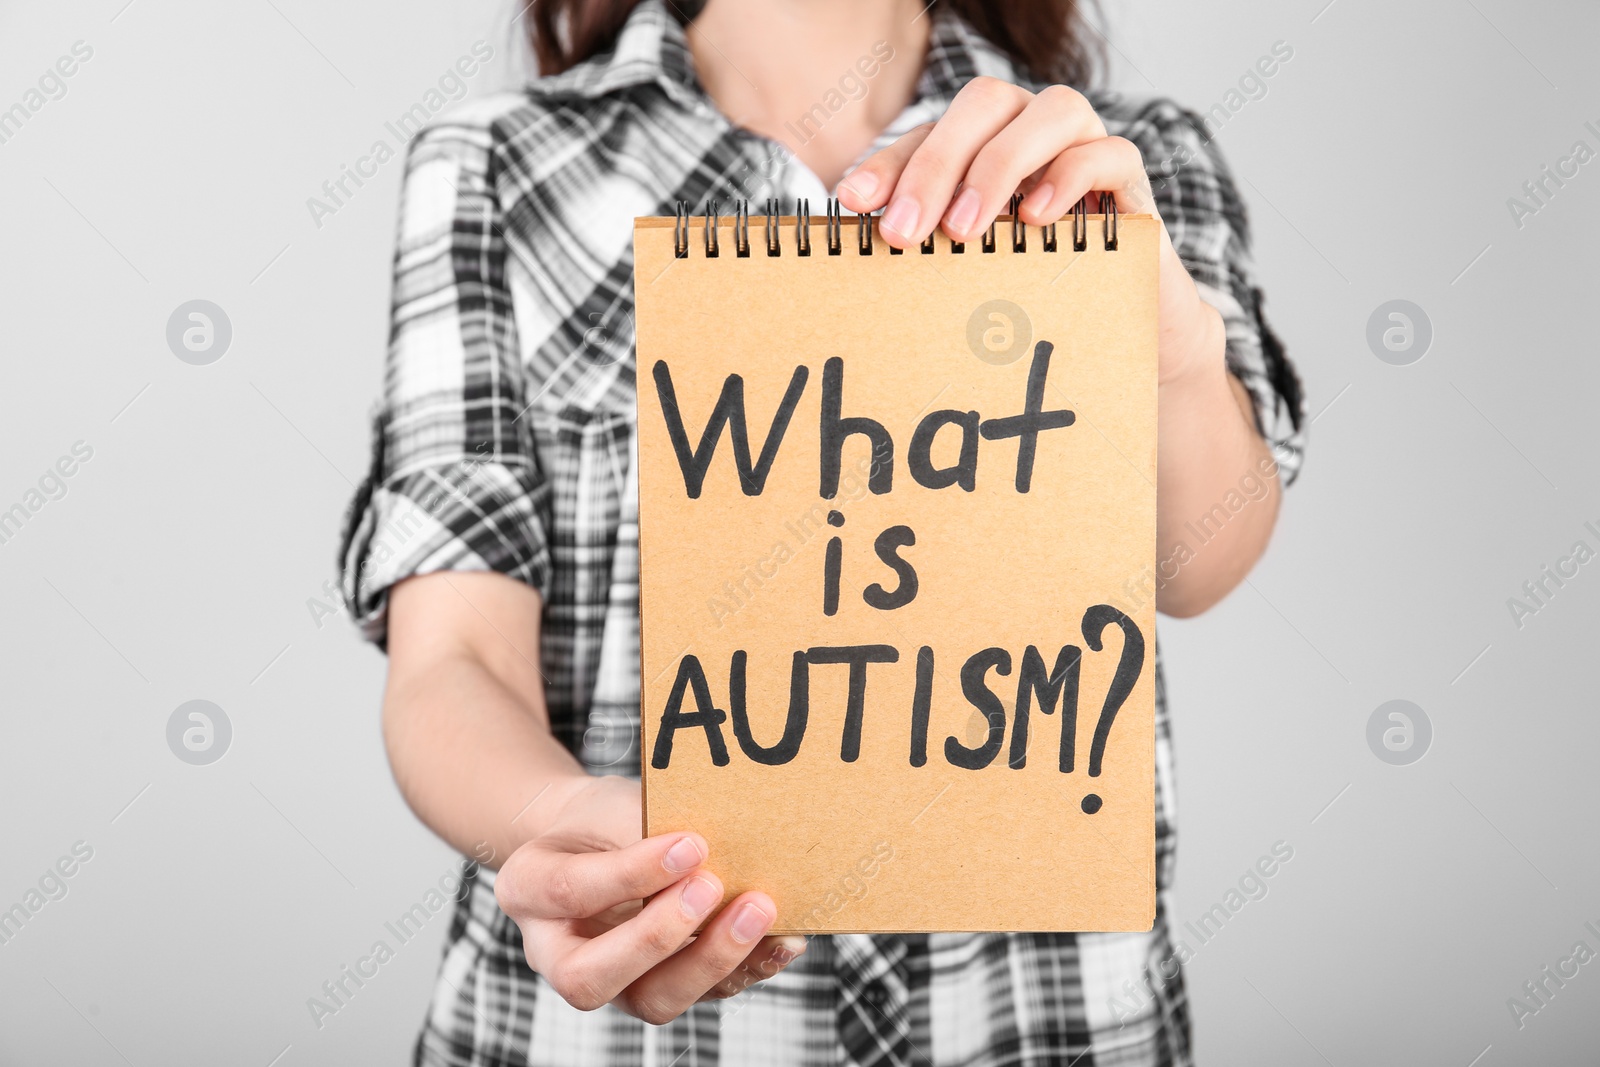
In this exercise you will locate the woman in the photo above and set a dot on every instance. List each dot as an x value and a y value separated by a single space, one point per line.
493 549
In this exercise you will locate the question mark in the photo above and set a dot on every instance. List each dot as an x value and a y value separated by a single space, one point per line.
1095 620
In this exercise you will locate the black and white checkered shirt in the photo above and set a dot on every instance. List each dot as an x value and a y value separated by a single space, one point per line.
504 442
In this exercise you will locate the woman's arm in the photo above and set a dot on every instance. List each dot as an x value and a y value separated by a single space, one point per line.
1208 451
958 174
469 739
464 715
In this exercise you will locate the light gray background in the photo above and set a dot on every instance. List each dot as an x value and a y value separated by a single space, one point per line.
180 563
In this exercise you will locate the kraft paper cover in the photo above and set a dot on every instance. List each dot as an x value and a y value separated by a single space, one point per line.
845 830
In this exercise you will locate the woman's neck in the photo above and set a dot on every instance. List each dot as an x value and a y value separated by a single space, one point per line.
822 77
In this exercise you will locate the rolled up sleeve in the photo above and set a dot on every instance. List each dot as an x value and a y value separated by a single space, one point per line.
454 482
1206 218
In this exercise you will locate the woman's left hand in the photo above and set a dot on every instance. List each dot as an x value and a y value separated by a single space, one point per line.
997 139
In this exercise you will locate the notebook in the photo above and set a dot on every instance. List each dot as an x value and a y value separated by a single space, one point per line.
897 565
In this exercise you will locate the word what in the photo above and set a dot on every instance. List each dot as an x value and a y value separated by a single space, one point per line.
836 428
728 414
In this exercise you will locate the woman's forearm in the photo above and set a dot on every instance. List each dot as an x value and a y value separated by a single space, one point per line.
464 718
1217 486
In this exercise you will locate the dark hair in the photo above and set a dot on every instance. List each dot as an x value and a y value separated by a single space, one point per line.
1044 37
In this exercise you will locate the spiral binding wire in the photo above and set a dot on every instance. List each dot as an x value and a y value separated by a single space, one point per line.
864 239
741 229
773 247
1108 209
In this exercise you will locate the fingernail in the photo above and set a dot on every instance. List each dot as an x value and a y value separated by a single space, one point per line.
788 950
1042 194
699 897
901 218
964 212
863 183
684 856
750 923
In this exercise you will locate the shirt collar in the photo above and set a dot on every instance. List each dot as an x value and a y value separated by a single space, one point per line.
652 49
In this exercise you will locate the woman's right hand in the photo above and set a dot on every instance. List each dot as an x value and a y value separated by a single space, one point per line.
577 893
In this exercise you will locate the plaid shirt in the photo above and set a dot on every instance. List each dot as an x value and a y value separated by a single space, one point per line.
504 443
